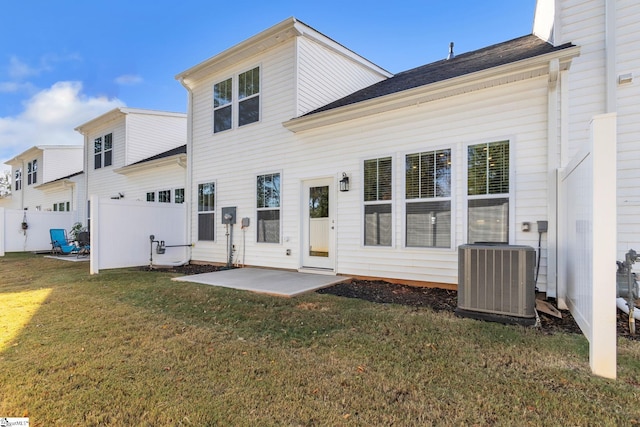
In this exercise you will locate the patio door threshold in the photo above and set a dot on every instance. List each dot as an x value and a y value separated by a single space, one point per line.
317 270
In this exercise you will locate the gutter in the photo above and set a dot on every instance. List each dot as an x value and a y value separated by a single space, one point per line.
189 165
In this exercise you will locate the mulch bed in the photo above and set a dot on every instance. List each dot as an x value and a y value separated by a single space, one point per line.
437 299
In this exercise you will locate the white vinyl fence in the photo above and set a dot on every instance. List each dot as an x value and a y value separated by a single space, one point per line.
35 238
587 243
120 233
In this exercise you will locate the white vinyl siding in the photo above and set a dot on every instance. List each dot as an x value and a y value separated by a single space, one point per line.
583 24
152 132
628 121
318 68
236 171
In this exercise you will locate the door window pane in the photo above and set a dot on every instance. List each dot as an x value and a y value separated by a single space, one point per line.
319 221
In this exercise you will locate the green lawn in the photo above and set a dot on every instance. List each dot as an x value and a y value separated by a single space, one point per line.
129 347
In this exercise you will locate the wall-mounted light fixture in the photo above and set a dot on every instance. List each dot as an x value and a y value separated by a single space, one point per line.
344 182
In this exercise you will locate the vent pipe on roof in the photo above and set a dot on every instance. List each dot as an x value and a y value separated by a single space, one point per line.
451 54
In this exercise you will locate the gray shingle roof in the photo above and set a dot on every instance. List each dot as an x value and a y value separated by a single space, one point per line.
482 59
174 151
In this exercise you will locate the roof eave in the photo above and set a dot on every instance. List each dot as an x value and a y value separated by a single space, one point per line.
55 184
246 49
279 33
515 71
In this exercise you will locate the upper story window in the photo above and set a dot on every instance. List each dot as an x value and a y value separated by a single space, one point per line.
378 196
488 192
32 172
428 199
18 179
222 97
103 151
245 105
249 97
268 204
151 196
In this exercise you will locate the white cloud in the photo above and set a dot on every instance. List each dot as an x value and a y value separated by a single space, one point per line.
129 80
13 87
49 118
20 70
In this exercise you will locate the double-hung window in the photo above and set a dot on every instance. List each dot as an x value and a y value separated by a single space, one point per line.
378 196
151 196
222 105
206 211
18 179
268 207
428 199
178 195
488 192
245 105
249 97
62 207
103 151
32 172
164 196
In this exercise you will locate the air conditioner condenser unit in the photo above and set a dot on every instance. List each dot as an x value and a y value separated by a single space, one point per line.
496 283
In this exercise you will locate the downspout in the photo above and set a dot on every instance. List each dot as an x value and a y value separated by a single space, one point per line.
189 181
23 187
552 167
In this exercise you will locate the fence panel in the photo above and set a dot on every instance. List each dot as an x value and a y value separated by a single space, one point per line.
120 233
587 243
35 237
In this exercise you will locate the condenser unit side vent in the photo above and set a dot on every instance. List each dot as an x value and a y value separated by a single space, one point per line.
496 282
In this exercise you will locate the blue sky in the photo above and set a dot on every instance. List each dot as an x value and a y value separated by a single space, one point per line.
65 62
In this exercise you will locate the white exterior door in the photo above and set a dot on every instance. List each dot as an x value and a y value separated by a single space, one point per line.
318 224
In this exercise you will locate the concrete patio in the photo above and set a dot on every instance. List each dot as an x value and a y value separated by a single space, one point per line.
266 281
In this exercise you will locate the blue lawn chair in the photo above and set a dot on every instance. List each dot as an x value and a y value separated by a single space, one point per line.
59 242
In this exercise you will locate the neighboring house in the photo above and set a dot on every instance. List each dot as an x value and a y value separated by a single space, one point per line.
438 156
135 154
46 178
